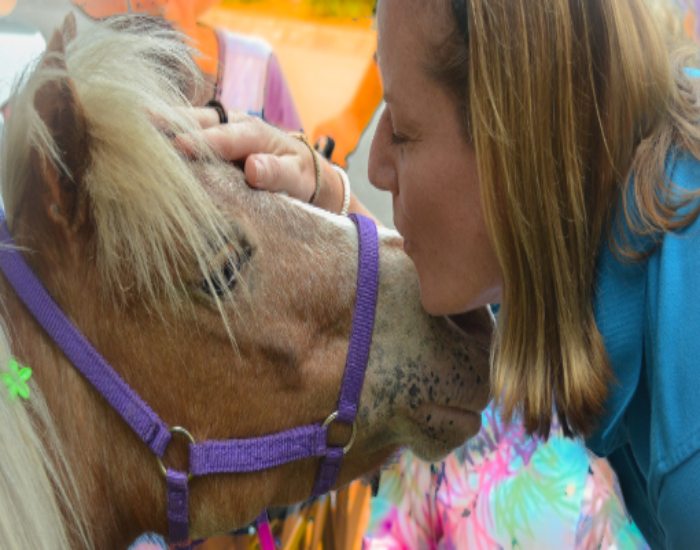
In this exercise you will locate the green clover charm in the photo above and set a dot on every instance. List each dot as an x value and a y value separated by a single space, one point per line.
16 380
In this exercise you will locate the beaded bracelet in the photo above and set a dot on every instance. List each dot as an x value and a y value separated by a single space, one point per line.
347 193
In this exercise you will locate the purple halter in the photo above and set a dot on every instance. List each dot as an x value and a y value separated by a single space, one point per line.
212 457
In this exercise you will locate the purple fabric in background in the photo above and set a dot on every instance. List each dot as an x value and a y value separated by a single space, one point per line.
251 80
279 105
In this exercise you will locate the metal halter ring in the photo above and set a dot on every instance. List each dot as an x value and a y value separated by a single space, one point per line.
332 418
183 432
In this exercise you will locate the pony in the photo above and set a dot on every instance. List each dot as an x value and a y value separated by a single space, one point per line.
228 310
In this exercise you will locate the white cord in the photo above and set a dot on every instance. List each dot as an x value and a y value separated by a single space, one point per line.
347 193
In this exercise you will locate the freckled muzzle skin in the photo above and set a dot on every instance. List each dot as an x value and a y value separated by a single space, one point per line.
427 381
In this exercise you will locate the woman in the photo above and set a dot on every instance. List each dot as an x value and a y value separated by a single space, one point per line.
544 156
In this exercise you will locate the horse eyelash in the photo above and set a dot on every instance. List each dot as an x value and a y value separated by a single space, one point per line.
225 281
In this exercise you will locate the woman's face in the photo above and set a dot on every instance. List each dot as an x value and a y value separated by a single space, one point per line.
421 155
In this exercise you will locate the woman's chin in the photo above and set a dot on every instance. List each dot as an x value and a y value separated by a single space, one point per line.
441 299
437 307
437 302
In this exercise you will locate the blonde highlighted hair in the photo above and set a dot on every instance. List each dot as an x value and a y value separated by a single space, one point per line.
563 101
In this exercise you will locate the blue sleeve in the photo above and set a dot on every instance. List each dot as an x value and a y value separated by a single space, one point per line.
672 352
679 505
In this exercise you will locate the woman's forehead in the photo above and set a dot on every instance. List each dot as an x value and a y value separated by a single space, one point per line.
434 17
407 33
417 25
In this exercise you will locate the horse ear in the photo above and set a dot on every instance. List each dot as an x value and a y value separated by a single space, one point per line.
58 106
69 28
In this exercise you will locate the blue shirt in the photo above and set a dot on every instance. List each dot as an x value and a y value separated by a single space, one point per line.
649 316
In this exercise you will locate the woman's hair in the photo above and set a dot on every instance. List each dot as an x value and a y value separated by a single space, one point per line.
563 101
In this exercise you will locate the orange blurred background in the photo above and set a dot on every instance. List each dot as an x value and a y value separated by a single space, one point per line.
326 50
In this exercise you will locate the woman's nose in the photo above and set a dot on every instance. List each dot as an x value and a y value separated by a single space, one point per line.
382 173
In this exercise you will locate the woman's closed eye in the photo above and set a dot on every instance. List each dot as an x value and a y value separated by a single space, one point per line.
398 139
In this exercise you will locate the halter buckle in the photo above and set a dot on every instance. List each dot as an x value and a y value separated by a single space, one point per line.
332 418
176 430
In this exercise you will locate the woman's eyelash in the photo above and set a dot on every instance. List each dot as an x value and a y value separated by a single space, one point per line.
398 139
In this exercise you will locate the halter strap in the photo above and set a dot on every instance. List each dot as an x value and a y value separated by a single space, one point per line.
362 320
360 343
135 412
210 457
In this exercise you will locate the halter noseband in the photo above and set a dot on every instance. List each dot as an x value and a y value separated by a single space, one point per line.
221 456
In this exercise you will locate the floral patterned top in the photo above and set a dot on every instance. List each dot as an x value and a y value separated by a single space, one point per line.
502 489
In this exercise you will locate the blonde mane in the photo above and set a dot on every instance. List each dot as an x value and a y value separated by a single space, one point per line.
150 211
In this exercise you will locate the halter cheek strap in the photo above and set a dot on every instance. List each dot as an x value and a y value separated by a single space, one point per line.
211 457
358 350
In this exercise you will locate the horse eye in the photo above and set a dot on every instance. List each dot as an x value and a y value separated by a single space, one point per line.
225 280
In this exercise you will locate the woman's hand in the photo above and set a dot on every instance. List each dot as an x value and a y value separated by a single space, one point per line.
272 160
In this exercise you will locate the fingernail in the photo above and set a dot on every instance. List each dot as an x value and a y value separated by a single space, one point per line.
259 172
